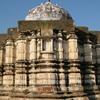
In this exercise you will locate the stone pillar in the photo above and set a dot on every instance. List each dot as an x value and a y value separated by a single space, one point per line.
9 51
74 74
73 47
55 47
98 53
63 79
21 49
88 51
60 46
8 75
89 73
1 64
38 44
65 45
21 60
33 48
38 48
98 65
33 57
1 55
62 72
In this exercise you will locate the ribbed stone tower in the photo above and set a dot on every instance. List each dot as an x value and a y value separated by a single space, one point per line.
48 51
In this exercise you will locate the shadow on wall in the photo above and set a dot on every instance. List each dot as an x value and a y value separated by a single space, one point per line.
89 86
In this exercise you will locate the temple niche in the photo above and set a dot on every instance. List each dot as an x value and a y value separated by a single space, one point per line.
47 57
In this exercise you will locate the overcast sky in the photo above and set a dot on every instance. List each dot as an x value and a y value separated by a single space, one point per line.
84 12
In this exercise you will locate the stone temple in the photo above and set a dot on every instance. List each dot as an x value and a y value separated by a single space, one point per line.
47 57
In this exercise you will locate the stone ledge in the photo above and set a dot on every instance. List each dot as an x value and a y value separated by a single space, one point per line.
29 95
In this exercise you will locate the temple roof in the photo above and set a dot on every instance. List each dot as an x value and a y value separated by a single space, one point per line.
47 11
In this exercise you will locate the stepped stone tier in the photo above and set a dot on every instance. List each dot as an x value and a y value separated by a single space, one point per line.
47 57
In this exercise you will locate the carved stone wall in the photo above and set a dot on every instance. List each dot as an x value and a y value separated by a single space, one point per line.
44 59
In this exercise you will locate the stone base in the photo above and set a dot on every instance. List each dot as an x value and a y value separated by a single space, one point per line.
27 95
